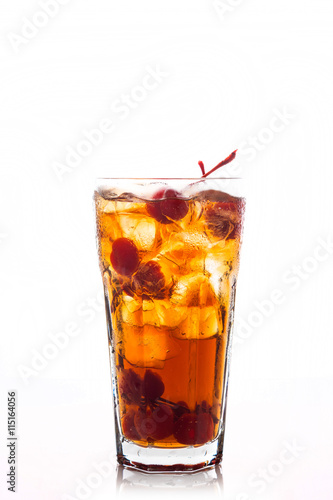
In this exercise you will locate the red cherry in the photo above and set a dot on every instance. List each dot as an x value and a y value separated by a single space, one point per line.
124 256
224 219
205 428
185 429
154 424
163 416
149 280
173 207
153 386
144 423
194 429
169 208
130 386
154 208
128 426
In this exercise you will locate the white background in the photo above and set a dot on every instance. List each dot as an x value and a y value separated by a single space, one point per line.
228 70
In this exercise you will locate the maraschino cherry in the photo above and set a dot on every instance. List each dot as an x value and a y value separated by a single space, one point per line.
154 424
192 428
168 206
149 280
124 256
153 386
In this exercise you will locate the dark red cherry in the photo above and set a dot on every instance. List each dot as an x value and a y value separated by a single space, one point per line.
153 386
154 208
149 279
173 207
154 424
185 429
205 428
124 256
130 385
144 423
193 429
128 426
224 220
163 416
170 207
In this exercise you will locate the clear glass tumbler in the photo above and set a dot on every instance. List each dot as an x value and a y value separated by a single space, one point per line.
169 258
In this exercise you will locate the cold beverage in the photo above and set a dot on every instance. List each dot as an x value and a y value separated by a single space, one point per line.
169 257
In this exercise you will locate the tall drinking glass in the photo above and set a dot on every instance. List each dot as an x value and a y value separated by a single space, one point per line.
169 258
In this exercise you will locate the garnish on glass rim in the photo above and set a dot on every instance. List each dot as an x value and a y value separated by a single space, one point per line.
219 165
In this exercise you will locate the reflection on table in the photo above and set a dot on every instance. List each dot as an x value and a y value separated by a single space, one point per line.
158 486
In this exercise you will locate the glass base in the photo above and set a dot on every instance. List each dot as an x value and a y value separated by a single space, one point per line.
189 459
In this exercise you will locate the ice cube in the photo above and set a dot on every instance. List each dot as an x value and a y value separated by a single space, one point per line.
216 196
133 304
114 193
182 249
138 228
162 313
107 225
130 206
131 312
224 219
222 257
201 308
169 315
105 247
200 323
150 316
106 193
193 290
148 305
174 249
147 347
110 207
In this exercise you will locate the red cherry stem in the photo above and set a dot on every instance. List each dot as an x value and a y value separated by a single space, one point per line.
201 165
145 402
221 164
172 404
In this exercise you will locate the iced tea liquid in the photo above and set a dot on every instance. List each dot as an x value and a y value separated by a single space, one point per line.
169 264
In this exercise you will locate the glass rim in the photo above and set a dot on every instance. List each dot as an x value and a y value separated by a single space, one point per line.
169 179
